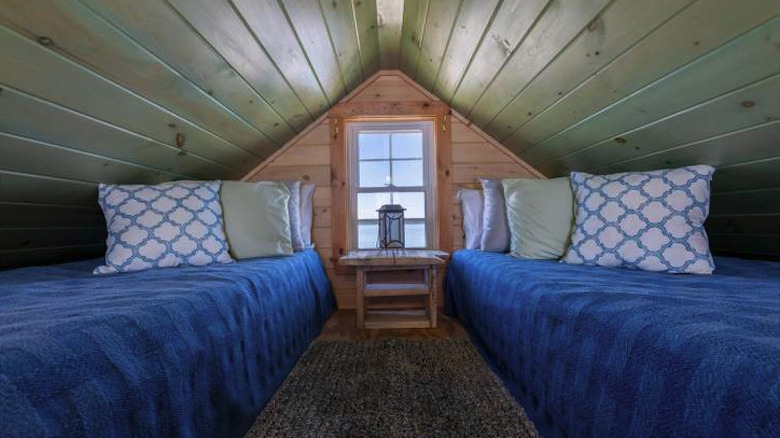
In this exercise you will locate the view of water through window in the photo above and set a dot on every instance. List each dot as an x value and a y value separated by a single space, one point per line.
415 235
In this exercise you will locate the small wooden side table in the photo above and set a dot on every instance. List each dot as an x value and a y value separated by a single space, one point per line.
398 260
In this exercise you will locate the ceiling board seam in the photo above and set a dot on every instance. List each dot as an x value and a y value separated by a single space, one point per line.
732 192
557 54
748 163
511 55
560 52
686 145
216 52
94 155
709 233
447 45
303 50
39 176
333 45
58 227
93 73
474 53
357 38
576 86
44 204
665 118
173 70
744 215
631 95
118 128
270 59
47 248
422 37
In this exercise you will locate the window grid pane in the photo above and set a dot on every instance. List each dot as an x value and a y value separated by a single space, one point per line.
375 173
405 165
391 169
407 173
373 145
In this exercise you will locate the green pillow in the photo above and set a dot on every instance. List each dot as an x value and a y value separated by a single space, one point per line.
257 222
540 215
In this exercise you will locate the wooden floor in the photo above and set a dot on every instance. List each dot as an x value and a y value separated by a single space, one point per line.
342 326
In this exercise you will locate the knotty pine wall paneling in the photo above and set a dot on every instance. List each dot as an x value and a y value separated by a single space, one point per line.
307 158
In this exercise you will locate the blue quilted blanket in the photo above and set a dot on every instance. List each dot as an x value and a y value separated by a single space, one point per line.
189 352
606 352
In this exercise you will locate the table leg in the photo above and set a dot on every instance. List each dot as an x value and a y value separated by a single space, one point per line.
360 305
432 296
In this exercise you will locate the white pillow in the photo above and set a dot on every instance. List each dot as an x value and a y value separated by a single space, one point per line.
294 207
307 214
162 226
495 228
471 206
652 221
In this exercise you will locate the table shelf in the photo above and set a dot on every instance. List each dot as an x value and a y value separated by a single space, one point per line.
397 319
371 263
395 290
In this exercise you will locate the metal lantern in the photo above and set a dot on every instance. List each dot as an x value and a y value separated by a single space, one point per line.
391 227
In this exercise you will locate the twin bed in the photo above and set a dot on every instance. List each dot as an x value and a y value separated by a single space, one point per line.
195 351
199 351
605 352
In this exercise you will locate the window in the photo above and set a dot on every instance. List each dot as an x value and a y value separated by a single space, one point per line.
390 163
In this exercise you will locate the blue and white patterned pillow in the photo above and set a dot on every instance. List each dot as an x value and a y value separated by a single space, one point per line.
170 224
652 221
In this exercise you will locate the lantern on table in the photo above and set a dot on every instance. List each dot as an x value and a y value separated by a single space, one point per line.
391 227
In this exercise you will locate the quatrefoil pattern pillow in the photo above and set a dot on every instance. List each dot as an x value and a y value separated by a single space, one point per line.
652 221
162 226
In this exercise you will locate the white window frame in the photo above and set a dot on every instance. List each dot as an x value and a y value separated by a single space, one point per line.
429 173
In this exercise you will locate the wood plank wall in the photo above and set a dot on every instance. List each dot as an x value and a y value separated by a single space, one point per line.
307 158
147 91
619 85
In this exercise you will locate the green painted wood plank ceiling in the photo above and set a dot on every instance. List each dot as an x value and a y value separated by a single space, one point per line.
112 91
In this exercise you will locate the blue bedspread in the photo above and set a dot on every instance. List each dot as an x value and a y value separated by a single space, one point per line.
606 352
194 351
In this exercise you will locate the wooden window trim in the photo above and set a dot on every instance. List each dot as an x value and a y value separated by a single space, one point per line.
344 112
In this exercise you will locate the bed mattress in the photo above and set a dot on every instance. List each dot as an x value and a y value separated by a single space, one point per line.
603 352
189 352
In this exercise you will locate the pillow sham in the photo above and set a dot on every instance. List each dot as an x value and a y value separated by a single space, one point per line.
471 206
294 208
495 230
307 214
652 221
257 220
540 215
162 226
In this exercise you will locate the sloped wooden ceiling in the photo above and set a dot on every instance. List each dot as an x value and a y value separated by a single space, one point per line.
151 90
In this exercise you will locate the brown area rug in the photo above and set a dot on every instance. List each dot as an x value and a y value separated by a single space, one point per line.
392 388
